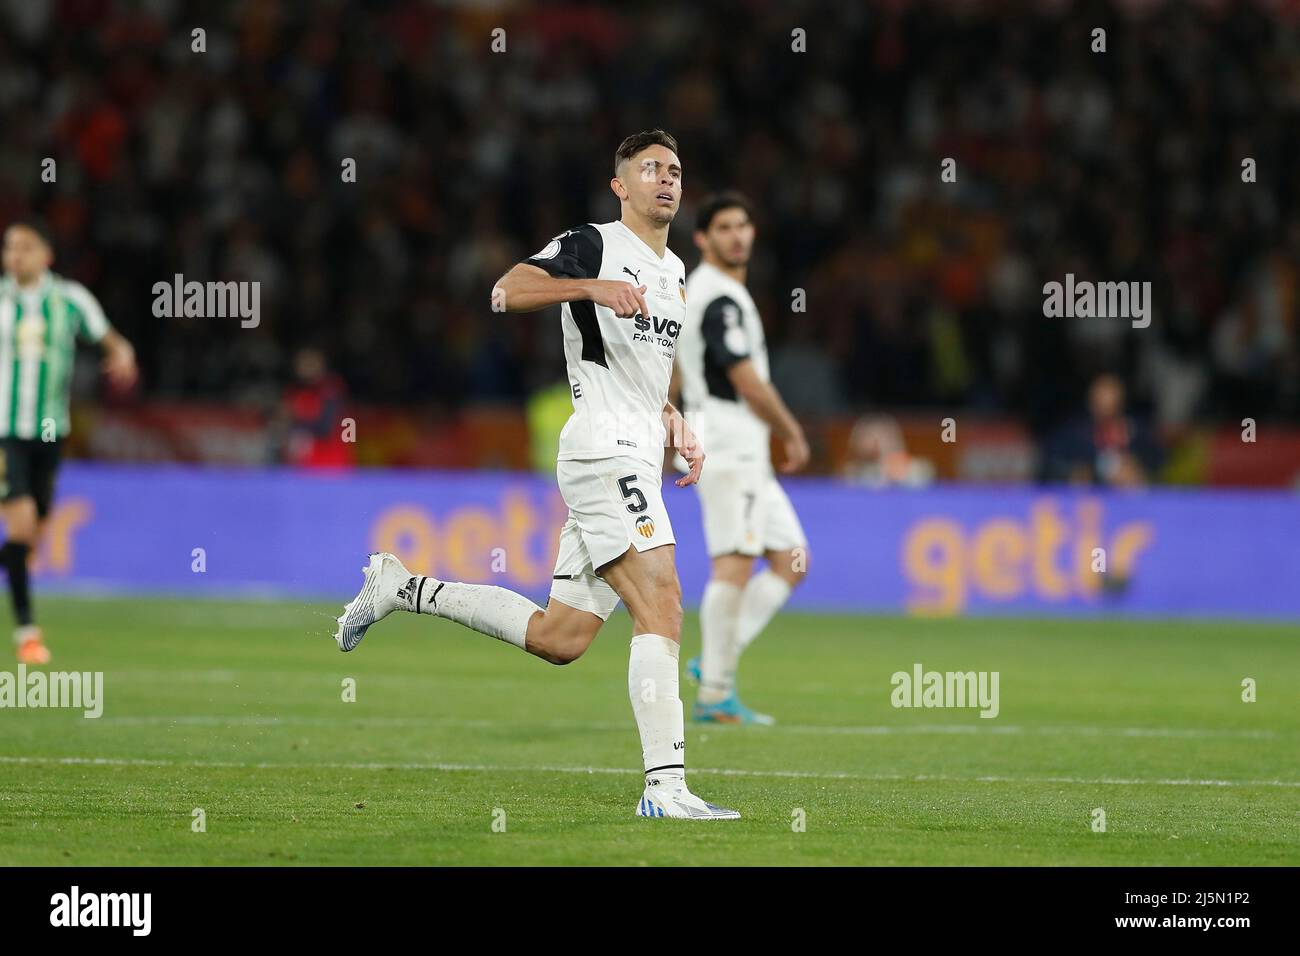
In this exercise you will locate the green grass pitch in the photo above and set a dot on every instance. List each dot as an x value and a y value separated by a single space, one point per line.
236 709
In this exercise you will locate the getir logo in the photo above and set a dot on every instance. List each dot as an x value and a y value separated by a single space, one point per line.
513 536
1047 555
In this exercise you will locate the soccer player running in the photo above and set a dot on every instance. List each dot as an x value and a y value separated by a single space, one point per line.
730 400
619 339
42 315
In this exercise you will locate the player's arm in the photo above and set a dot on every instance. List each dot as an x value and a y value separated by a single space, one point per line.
765 401
727 346
565 271
682 438
119 356
119 359
527 288
674 394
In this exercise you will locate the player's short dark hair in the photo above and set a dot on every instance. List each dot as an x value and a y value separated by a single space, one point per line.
34 224
639 141
716 203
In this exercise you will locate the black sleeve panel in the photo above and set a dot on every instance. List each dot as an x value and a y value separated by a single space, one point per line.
576 254
725 341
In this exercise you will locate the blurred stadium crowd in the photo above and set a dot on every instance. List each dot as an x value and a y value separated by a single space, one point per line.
920 294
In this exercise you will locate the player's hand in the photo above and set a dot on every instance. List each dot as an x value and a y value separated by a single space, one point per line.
682 437
119 365
797 453
624 298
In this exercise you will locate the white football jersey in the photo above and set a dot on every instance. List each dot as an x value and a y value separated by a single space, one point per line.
618 368
722 327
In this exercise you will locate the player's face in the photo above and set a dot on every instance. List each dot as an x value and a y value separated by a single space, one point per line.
653 182
25 254
730 238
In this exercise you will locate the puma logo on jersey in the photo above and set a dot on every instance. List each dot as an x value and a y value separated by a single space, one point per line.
634 275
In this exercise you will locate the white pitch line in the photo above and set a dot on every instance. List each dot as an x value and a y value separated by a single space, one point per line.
218 720
1012 730
629 771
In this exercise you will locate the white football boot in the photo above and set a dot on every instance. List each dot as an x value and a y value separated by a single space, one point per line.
388 588
672 799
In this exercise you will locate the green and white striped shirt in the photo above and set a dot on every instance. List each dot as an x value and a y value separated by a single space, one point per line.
39 328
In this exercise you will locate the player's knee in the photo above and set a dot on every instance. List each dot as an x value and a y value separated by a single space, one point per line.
21 525
561 649
792 566
563 653
734 570
799 564
557 645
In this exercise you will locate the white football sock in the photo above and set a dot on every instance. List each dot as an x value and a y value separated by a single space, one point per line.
485 608
719 610
652 687
762 598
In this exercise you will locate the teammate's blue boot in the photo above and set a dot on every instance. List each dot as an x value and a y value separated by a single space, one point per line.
693 669
729 711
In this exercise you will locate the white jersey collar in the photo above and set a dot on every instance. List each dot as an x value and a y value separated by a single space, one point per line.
642 243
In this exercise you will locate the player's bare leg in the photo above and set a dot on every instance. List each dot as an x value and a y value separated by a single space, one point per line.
646 581
561 634
22 532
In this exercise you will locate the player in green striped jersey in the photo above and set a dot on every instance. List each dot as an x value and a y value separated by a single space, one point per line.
42 317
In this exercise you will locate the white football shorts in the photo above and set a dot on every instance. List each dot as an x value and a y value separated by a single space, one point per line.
613 503
746 511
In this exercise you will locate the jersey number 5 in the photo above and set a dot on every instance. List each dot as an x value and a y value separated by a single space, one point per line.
638 503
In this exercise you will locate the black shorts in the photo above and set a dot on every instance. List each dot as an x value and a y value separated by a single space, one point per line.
27 468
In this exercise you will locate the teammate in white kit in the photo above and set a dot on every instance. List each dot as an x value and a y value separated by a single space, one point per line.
730 401
619 339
